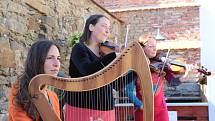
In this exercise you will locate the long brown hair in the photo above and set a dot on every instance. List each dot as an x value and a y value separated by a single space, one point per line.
34 65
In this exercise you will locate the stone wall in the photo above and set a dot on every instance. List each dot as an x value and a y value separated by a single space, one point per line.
23 21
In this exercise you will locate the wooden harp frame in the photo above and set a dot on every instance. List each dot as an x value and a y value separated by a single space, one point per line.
132 58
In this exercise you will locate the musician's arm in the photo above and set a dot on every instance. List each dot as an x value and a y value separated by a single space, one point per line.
16 113
122 81
129 91
81 60
172 79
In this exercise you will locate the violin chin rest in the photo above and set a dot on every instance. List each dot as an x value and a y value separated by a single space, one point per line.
177 69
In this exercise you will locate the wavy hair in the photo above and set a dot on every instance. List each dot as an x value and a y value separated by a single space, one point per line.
34 65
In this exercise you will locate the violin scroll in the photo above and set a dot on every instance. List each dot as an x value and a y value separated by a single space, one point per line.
204 71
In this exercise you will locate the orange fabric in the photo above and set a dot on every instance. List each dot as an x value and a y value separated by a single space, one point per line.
55 102
16 113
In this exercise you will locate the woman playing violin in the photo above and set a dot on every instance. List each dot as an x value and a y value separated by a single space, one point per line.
87 57
160 108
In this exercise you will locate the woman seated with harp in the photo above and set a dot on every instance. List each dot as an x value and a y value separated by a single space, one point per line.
43 58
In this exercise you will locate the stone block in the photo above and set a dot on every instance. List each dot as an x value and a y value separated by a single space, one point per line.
63 8
3 117
17 8
3 27
50 21
3 80
16 26
39 6
6 54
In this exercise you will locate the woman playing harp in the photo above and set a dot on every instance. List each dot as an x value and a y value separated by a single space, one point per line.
43 58
88 94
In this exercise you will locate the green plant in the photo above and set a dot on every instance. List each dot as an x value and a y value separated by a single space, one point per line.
73 39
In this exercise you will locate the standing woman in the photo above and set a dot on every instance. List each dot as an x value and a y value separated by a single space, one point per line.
160 107
43 58
86 58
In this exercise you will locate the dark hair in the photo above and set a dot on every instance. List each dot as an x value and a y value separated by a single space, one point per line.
34 65
93 19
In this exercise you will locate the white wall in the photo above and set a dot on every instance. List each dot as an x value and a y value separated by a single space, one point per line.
207 33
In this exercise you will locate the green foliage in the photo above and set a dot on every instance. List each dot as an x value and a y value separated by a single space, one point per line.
73 39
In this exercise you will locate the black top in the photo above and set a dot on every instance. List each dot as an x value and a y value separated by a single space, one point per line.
84 62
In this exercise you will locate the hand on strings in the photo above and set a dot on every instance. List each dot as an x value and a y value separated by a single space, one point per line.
141 107
45 93
138 108
190 71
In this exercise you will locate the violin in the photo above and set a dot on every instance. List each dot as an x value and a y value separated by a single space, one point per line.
179 67
107 47
156 67
178 64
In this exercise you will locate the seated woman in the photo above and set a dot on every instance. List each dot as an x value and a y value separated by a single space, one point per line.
43 58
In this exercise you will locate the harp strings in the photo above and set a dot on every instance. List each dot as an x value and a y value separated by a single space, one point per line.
90 102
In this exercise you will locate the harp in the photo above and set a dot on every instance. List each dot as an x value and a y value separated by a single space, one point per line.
132 58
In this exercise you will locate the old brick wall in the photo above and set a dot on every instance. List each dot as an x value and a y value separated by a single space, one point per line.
179 23
189 88
22 21
187 56
116 4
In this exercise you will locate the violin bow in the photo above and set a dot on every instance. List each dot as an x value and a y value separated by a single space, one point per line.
126 36
159 77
